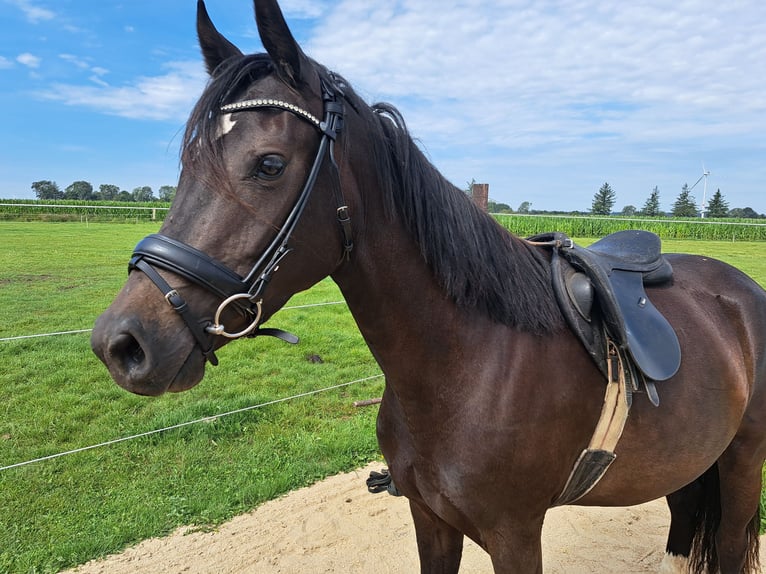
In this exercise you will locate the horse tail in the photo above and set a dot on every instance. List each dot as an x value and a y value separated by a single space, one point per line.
704 556
753 557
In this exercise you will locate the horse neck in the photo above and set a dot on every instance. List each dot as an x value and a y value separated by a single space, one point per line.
481 279
392 294
397 303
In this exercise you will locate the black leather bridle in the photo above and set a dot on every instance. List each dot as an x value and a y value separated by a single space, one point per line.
245 293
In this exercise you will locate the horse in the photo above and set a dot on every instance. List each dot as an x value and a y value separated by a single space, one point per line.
289 177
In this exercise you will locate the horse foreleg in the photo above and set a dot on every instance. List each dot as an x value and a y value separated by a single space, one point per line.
440 546
516 548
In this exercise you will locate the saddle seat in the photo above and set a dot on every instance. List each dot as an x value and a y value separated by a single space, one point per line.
600 290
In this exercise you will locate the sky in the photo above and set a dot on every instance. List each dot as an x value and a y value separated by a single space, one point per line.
543 100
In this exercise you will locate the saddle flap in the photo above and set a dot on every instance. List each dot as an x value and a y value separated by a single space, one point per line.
650 339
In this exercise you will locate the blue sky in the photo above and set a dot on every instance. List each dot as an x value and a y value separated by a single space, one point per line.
543 100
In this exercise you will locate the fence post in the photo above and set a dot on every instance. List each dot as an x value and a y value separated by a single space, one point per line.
480 194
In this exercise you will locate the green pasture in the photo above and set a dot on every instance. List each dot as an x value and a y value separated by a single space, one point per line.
56 396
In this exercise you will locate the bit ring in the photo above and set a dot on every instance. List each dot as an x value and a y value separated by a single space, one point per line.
218 329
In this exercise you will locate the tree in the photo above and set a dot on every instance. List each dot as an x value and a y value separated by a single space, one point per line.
629 210
108 192
685 205
744 213
718 207
497 207
46 189
524 207
603 201
79 190
167 192
143 193
652 206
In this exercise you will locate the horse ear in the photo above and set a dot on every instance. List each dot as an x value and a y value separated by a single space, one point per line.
215 48
290 61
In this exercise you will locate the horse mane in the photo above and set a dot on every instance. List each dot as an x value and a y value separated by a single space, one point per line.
479 264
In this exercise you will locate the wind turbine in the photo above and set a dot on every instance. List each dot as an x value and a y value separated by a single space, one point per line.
703 205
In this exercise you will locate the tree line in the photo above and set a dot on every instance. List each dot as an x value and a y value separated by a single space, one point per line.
83 190
684 205
605 199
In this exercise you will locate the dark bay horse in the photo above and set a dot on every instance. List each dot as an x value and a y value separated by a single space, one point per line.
288 177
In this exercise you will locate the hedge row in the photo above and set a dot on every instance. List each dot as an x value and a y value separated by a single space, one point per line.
73 210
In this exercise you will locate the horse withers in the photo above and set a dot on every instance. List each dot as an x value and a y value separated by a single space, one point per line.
289 176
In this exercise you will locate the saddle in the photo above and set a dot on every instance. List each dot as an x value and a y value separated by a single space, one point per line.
600 290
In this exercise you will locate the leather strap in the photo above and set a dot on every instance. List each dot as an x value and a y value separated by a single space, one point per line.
180 306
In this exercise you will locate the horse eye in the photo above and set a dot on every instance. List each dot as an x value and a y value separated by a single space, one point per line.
270 167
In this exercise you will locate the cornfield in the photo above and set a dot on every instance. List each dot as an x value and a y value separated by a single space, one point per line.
579 226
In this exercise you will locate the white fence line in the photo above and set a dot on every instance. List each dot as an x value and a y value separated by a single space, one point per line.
76 331
187 423
545 215
83 206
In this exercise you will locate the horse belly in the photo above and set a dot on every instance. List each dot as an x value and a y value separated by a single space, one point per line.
701 408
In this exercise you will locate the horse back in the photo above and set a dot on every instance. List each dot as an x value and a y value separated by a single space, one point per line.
705 291
719 315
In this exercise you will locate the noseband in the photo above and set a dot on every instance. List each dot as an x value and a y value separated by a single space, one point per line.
245 294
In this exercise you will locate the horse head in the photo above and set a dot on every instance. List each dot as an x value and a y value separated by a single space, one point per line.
259 212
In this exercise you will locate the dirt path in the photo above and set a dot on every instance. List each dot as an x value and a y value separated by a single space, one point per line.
337 526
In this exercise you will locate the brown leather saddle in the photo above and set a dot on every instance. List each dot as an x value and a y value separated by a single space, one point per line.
600 290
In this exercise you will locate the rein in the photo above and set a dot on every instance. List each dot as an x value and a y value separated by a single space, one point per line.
245 294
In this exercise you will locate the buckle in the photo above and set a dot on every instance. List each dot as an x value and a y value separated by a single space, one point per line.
172 294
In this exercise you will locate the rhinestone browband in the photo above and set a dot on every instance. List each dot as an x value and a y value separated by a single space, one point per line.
260 103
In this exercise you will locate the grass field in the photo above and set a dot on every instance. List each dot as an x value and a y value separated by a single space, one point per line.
56 396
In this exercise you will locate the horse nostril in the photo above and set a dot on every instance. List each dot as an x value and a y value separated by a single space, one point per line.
128 351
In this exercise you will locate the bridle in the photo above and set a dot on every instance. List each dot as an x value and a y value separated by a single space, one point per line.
245 294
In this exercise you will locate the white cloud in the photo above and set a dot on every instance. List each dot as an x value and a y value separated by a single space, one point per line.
96 72
169 96
304 8
522 73
34 13
5 63
28 60
75 60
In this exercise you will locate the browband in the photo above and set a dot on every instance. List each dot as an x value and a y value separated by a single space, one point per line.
268 103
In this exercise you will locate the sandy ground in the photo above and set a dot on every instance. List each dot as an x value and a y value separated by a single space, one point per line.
337 526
